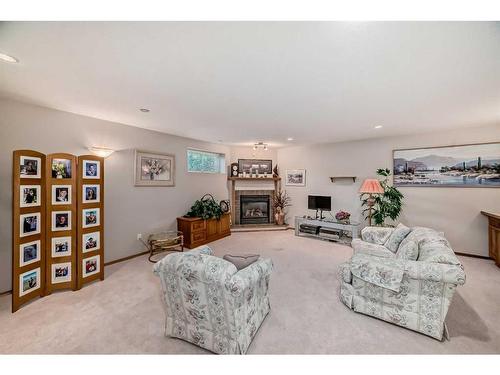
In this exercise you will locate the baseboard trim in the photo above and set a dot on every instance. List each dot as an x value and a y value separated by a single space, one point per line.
126 258
5 293
474 256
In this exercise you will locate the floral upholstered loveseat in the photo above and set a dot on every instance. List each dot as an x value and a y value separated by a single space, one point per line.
211 304
412 286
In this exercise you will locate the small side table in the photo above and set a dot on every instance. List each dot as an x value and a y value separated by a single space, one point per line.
171 240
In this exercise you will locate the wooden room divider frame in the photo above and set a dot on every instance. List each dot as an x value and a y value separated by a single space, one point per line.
57 206
90 176
22 268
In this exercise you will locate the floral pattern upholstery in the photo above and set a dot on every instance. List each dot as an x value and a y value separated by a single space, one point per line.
362 247
396 237
376 235
414 294
211 304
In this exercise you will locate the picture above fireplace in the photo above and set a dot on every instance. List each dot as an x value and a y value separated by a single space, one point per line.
255 209
255 166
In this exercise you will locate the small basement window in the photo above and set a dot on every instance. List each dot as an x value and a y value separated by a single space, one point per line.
205 161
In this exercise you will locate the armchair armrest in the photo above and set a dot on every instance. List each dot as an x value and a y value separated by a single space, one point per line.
376 235
255 274
446 273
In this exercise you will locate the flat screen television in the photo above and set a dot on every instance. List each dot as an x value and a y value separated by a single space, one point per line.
319 202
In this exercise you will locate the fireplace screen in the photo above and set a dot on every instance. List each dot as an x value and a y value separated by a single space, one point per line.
254 209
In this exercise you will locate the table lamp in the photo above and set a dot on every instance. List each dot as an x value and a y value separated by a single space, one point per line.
371 186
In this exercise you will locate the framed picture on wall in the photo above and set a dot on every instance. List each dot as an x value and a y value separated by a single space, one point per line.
91 266
476 165
29 253
29 224
259 166
61 272
91 169
295 177
61 247
29 167
154 169
29 281
30 195
91 217
61 194
61 168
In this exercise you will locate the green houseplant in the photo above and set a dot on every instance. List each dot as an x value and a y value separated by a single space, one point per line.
206 208
388 204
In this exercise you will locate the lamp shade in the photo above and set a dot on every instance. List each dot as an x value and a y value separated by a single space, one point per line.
371 186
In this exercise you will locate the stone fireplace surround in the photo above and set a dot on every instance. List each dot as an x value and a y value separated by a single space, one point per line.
237 208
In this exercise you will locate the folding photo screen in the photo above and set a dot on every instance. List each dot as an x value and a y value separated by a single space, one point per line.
58 223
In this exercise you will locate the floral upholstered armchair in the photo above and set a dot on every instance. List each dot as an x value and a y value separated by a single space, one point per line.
410 285
211 304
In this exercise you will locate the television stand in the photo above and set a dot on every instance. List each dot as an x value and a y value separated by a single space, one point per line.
352 227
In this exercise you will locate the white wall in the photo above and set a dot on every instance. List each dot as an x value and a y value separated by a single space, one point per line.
456 211
244 152
129 210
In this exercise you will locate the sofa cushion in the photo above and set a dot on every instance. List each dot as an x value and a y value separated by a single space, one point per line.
396 237
408 249
376 235
241 261
437 250
362 247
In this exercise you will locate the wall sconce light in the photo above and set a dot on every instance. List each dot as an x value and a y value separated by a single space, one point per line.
260 145
101 151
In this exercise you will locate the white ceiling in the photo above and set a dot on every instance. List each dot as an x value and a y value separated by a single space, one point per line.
242 82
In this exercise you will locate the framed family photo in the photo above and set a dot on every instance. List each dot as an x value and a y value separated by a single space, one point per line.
91 217
29 281
30 167
295 177
61 220
30 195
91 266
29 224
91 193
91 242
61 272
29 253
91 169
61 194
61 247
154 169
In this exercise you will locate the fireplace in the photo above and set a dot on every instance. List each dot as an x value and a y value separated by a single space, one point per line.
254 209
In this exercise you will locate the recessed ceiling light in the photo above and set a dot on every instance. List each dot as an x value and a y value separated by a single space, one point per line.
289 139
8 58
377 127
144 110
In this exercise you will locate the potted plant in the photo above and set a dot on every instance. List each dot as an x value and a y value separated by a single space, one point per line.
386 205
343 217
206 208
280 201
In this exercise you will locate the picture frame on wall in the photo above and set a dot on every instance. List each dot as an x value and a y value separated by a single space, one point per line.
91 193
29 253
91 242
91 169
61 220
91 217
472 165
30 167
60 247
30 195
91 266
295 177
259 166
61 272
61 194
29 224
29 281
154 169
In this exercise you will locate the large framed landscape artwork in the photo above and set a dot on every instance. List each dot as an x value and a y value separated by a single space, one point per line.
475 165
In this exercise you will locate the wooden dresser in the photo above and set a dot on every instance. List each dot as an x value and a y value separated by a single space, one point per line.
493 235
198 231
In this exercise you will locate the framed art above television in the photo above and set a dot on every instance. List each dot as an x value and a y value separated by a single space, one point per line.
475 165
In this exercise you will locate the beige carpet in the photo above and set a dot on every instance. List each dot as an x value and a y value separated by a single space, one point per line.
124 314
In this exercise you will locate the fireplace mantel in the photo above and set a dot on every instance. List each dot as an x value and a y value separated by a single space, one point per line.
251 181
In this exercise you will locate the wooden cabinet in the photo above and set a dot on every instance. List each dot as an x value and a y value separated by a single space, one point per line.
493 235
198 231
